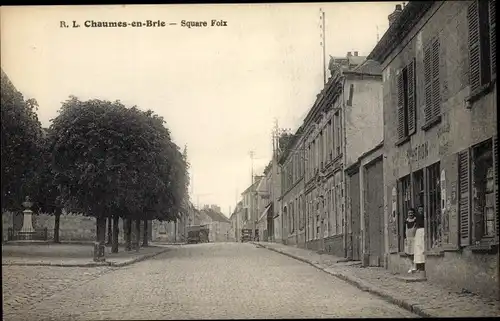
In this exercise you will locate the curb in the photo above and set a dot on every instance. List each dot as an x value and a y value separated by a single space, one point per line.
90 264
360 284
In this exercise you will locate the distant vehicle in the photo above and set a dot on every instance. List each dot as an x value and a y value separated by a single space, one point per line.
246 235
198 234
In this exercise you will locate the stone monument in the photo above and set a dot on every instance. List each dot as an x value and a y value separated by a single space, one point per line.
27 231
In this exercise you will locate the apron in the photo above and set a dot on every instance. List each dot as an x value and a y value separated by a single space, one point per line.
419 246
410 241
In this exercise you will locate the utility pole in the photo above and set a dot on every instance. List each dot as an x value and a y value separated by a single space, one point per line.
251 159
323 43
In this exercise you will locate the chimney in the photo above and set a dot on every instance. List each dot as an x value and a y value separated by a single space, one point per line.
349 54
355 54
395 15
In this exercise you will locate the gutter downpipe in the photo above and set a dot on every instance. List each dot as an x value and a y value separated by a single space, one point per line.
344 158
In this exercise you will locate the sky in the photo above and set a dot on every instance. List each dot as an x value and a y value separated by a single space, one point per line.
219 88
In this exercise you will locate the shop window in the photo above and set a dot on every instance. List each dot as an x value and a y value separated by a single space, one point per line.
404 196
434 206
479 193
418 188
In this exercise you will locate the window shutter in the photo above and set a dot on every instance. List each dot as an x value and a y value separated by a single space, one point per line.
428 84
493 39
474 54
401 105
495 170
464 197
436 90
412 119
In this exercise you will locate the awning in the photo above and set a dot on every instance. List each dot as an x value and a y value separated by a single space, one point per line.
264 213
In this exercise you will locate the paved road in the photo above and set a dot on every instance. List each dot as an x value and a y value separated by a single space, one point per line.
205 281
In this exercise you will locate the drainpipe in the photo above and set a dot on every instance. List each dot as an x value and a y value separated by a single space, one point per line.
344 158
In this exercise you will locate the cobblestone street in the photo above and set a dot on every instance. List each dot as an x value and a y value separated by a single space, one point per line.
205 281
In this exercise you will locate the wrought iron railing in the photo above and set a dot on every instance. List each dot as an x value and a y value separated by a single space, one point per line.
27 235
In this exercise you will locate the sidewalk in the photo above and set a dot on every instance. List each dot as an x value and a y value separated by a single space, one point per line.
422 298
74 254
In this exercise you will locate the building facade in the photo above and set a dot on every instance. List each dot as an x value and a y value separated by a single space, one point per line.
440 139
324 155
364 134
292 163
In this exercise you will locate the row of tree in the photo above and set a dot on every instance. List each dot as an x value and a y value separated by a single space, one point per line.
97 158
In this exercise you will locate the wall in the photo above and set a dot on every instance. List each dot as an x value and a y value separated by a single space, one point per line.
458 129
364 119
291 197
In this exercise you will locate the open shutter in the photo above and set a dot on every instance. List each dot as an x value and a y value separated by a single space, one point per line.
401 105
474 54
436 89
428 84
493 39
412 115
495 171
464 197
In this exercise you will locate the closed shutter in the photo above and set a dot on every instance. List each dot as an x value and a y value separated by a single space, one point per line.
495 171
412 115
464 197
493 39
401 106
428 83
436 89
474 54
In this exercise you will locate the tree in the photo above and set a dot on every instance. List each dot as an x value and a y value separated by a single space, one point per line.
47 196
20 145
115 161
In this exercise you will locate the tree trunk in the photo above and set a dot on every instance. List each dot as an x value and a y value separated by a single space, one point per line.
137 234
57 223
101 229
116 231
145 234
110 231
128 234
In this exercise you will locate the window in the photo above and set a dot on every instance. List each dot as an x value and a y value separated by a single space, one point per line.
478 193
337 134
432 92
434 208
292 218
482 43
330 140
406 101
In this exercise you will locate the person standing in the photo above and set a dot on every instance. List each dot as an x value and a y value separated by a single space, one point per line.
410 223
419 241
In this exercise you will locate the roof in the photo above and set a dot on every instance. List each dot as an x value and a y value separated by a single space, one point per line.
368 67
259 178
215 216
408 18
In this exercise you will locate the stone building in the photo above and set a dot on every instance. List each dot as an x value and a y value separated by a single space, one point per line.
219 225
364 133
440 139
292 164
264 206
249 196
323 186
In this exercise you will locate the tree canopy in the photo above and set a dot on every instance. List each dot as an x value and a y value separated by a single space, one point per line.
20 145
113 160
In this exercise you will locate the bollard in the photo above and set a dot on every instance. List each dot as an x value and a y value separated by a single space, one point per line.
99 252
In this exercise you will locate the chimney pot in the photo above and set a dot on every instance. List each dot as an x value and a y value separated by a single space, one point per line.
398 7
355 54
349 54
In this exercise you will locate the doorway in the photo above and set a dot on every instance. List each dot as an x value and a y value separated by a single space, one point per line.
374 213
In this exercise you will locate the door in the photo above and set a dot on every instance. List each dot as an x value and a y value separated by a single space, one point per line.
355 216
374 214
